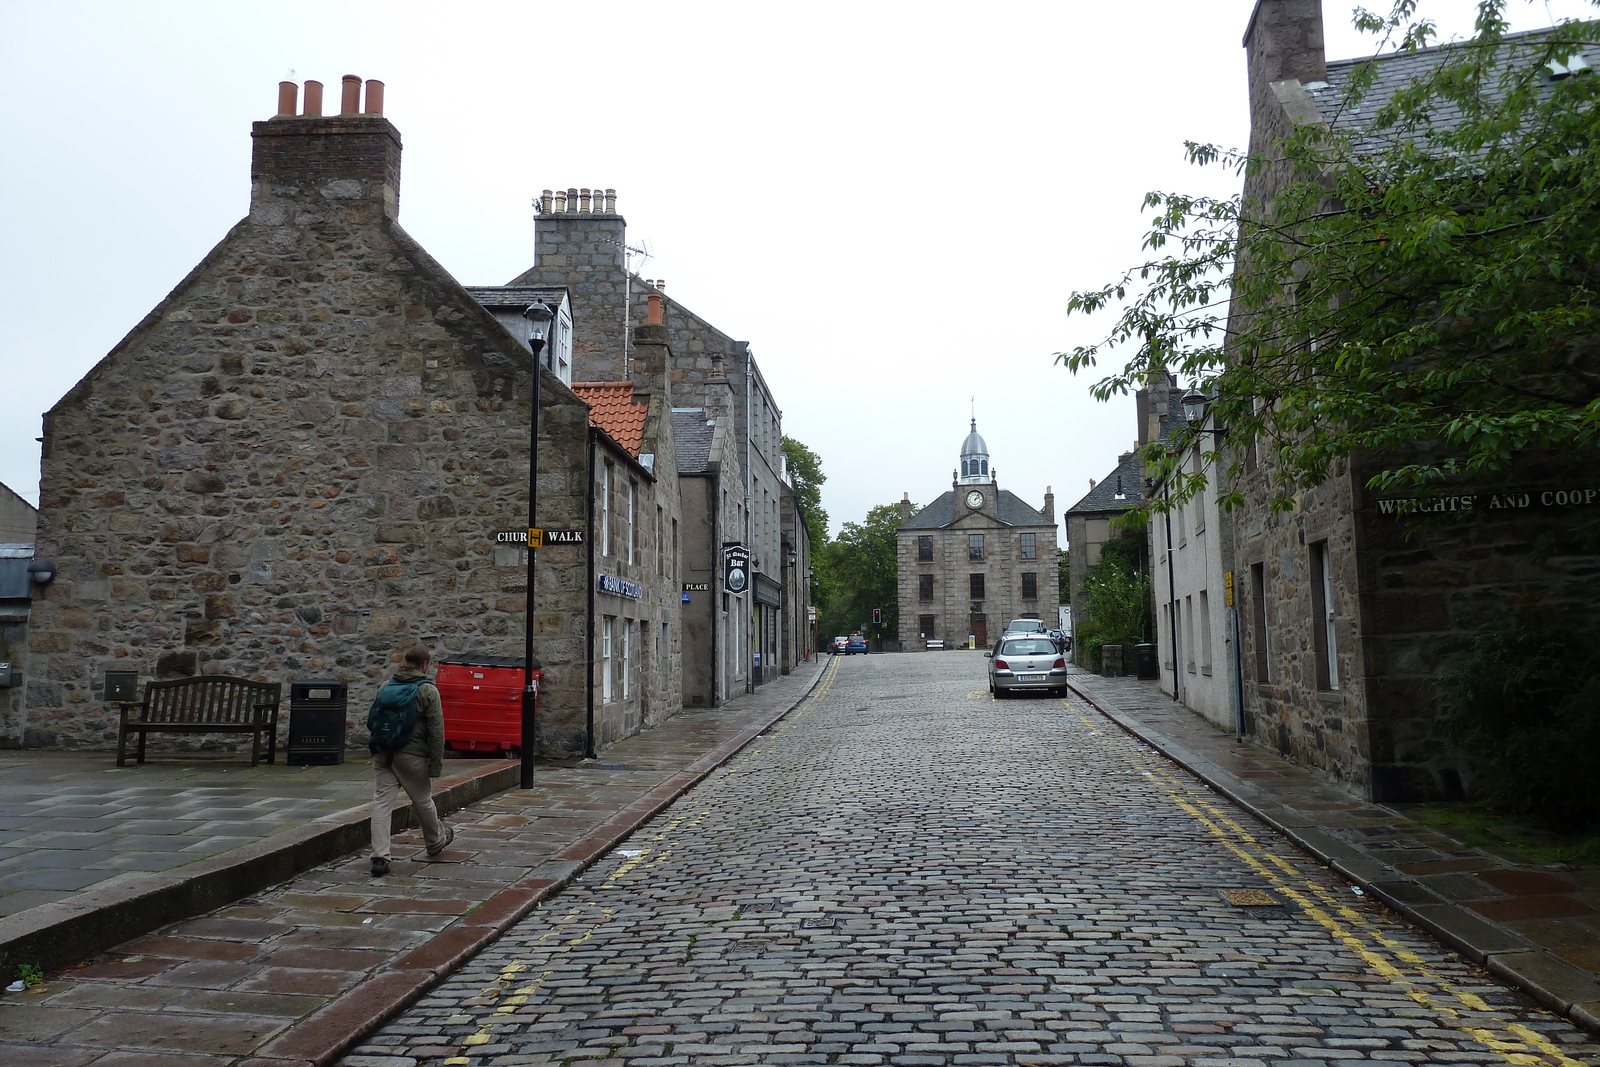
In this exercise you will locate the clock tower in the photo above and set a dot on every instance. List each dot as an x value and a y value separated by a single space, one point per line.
974 558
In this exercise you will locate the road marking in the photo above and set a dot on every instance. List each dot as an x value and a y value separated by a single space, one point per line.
1516 1043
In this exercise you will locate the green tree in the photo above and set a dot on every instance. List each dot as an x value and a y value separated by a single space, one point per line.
1116 591
863 570
1423 289
806 477
1063 577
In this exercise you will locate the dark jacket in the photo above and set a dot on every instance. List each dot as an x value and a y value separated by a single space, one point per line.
428 740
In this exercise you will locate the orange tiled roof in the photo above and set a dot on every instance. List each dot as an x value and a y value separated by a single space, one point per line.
612 408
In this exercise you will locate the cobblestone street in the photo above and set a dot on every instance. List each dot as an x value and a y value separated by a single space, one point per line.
908 872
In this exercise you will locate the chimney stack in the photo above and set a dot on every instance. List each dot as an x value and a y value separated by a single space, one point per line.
905 508
650 368
1283 40
1049 504
327 163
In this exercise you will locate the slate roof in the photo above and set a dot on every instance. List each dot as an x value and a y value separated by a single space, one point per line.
613 409
1395 71
1127 478
942 512
691 436
517 296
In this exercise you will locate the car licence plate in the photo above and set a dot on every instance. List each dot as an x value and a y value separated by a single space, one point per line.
1030 677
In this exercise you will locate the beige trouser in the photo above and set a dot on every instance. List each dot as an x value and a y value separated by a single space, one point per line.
394 771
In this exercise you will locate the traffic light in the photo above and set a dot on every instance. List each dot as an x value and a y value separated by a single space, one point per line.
877 616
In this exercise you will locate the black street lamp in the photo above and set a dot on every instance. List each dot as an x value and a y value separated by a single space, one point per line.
539 317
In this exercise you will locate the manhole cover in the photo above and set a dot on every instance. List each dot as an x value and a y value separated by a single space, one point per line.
1250 898
759 905
818 922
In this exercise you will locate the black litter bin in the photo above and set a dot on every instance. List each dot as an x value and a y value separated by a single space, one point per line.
317 711
1144 661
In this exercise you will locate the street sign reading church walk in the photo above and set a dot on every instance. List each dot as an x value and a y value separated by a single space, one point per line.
550 537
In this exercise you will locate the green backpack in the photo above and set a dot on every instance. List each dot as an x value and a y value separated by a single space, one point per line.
392 719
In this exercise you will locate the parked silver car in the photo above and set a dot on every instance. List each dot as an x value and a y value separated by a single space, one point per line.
1022 662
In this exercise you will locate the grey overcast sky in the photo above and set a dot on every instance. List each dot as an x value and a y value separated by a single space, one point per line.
889 200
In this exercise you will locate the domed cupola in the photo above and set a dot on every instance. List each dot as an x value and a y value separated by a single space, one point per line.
974 459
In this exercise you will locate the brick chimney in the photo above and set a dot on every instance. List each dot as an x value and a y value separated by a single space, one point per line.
1049 504
349 159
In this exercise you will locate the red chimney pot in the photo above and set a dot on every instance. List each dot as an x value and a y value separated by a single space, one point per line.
313 108
350 95
374 96
288 94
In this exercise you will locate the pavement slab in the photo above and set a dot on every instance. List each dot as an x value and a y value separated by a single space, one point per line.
295 971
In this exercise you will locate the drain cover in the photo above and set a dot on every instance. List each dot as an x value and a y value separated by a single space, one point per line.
819 922
1249 898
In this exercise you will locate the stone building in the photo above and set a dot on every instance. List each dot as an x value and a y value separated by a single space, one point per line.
975 558
18 522
1351 602
798 633
580 242
634 531
1191 571
18 518
1089 527
710 484
298 463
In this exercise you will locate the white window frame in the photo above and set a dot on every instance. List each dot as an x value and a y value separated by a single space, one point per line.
627 659
605 508
1326 578
606 673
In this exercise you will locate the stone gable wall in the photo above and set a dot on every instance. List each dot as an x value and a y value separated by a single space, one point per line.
293 468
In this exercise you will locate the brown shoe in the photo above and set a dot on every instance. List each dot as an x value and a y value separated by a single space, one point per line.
449 836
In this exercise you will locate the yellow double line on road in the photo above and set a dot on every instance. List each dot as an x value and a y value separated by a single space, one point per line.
582 921
1513 1042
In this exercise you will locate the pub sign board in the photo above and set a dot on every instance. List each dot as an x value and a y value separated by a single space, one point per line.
735 567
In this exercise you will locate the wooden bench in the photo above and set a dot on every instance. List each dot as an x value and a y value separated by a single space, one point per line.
212 704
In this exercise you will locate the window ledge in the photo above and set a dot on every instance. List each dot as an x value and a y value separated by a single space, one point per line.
1206 671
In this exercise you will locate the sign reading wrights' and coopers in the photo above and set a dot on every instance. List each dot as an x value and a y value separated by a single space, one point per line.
1509 499
735 566
551 537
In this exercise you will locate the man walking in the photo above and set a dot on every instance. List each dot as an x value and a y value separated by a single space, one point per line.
407 727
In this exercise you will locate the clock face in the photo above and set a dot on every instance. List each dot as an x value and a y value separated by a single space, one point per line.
974 499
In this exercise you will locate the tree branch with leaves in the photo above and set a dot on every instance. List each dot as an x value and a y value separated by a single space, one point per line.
1421 287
